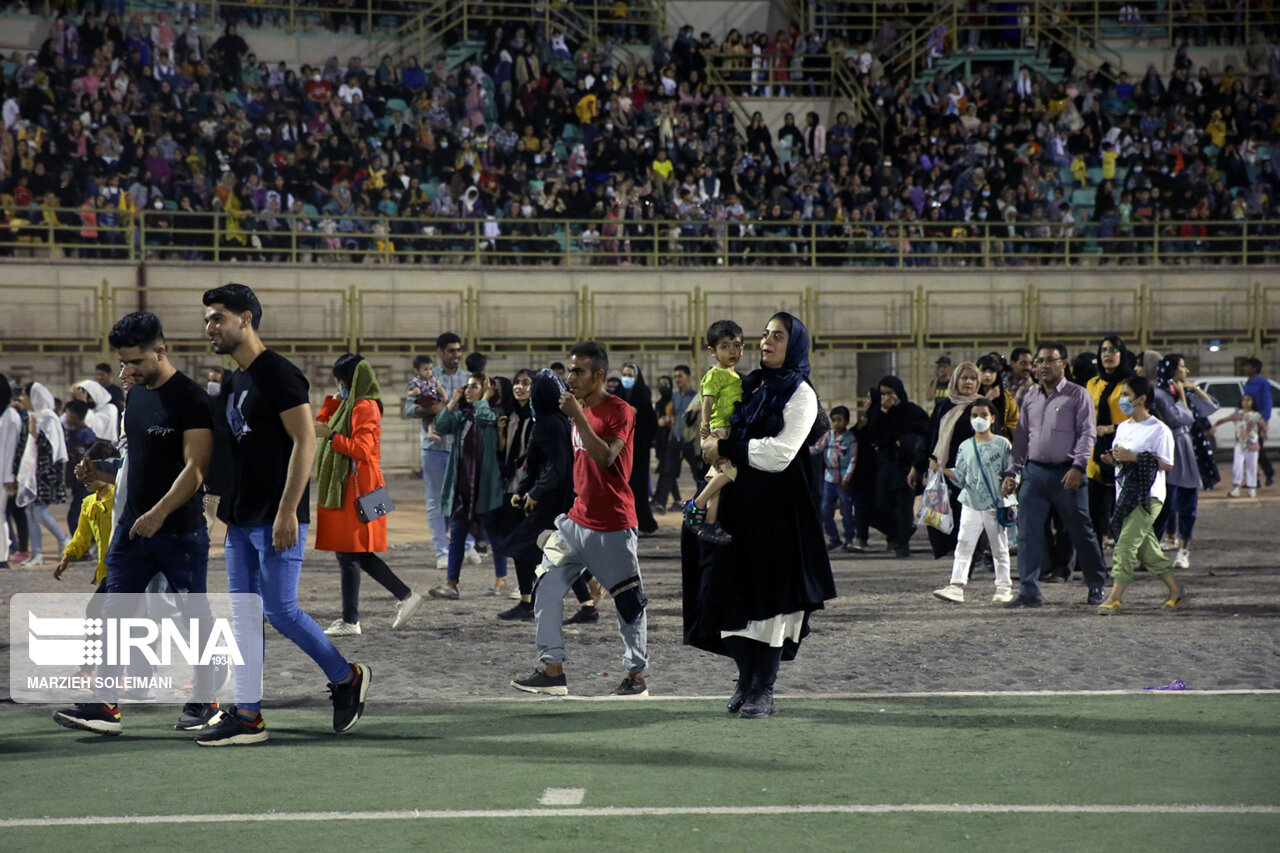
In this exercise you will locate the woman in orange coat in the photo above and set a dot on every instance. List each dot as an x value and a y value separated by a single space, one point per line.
348 465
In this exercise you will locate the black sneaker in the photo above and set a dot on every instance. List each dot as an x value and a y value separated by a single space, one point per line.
231 729
739 695
1095 597
522 612
197 716
758 704
586 615
859 547
90 717
657 509
1023 601
540 682
348 699
631 687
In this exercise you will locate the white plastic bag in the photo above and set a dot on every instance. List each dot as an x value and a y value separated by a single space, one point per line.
935 504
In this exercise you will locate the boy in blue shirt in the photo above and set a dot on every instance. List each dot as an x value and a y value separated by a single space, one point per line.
837 478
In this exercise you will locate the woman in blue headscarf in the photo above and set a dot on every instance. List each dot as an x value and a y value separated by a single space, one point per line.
750 599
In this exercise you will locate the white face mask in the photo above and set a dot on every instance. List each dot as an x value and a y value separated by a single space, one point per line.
526 209
980 424
214 388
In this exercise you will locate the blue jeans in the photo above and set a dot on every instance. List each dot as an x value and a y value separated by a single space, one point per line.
132 564
1041 489
255 566
435 463
831 495
38 516
458 546
1182 502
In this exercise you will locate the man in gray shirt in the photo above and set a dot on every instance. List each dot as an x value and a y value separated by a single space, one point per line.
435 447
678 450
1051 446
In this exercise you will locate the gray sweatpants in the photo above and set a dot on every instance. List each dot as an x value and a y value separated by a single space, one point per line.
611 557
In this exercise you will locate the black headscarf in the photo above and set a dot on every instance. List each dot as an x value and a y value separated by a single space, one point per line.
1113 378
900 433
6 393
767 390
640 398
519 426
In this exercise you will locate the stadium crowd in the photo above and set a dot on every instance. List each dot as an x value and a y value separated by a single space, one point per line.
224 149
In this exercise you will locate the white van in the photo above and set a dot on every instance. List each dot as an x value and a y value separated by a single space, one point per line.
1228 390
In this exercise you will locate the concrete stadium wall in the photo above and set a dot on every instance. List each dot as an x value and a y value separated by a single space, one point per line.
864 315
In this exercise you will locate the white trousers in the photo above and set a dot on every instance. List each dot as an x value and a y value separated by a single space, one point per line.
1244 467
972 523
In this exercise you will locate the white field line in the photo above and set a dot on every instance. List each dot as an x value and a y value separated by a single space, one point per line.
563 796
929 694
645 811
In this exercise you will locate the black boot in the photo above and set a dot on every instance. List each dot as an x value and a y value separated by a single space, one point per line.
744 657
759 702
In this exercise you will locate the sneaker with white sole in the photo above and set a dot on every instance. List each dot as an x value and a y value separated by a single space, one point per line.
1253 493
1002 596
1182 560
540 682
442 591
1234 493
197 716
442 563
343 629
631 687
348 699
35 561
232 729
90 717
472 557
405 609
950 592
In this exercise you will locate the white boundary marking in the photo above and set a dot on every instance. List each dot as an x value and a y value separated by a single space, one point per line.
927 694
646 811
563 796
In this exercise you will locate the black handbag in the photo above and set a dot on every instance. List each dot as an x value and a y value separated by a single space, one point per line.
372 505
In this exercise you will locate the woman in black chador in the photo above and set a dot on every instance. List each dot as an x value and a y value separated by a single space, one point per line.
750 599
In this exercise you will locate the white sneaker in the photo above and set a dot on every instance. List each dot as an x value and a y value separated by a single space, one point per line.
1002 596
472 558
1168 543
405 609
1253 493
343 629
442 563
1234 493
1182 560
950 593
35 561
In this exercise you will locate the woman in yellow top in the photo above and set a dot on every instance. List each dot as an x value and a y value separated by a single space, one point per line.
95 518
1115 365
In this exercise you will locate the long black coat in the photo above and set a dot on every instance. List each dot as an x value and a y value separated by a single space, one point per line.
548 473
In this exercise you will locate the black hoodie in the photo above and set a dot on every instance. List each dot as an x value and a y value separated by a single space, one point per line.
548 471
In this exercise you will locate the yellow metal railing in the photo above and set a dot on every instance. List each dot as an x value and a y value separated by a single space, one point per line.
75 320
819 75
330 237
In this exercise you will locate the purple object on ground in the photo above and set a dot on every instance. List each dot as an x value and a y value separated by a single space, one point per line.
1176 684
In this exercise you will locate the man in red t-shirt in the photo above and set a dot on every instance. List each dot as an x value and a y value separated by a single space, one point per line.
599 531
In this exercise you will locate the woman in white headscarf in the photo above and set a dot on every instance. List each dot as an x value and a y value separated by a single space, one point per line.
40 474
103 417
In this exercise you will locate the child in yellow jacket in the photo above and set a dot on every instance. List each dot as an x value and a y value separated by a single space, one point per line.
95 515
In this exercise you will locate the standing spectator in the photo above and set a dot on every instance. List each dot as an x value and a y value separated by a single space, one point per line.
899 429
266 509
862 484
435 447
472 488
349 465
103 374
80 438
11 430
1142 453
1051 449
949 429
940 383
1021 376
751 600
1259 388
515 427
102 417
40 474
1177 403
598 533
1251 432
636 392
837 479
683 435
1106 389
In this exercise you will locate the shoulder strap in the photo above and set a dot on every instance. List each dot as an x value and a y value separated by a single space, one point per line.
978 458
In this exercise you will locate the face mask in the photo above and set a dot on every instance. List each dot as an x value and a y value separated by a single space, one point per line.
628 382
344 393
1126 405
214 388
982 214
526 209
980 424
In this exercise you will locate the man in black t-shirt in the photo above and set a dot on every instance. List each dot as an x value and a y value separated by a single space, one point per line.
169 428
265 505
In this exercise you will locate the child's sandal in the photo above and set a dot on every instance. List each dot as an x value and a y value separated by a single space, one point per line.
693 516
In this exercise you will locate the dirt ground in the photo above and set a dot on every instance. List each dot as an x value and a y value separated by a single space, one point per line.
885 632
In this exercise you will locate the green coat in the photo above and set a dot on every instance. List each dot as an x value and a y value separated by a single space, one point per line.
490 492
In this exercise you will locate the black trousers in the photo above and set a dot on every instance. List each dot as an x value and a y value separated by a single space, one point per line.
351 566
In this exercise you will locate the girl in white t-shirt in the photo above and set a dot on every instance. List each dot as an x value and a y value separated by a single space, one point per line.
1142 453
1251 431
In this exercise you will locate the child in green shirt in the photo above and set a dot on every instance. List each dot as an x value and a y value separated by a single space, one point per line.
721 391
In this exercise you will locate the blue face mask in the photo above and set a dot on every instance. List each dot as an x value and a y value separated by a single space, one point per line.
1126 405
628 382
344 393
